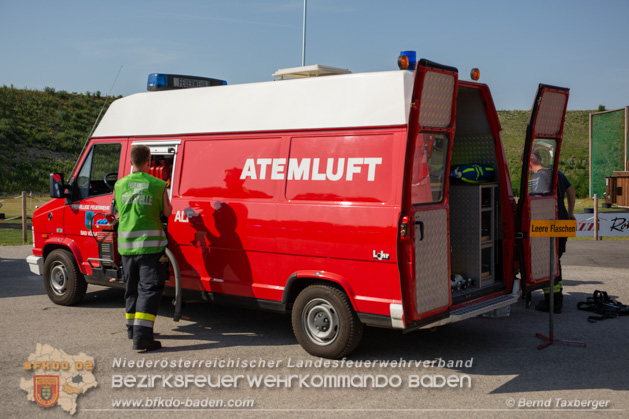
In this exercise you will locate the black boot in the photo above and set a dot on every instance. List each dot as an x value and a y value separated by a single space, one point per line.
147 345
544 305
558 299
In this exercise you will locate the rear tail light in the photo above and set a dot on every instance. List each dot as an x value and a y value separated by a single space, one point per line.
404 227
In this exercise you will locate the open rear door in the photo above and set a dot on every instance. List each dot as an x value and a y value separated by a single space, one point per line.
431 129
538 187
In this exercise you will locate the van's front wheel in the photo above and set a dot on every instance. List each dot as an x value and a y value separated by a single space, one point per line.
63 281
325 323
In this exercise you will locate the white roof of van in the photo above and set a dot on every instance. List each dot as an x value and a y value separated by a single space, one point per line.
352 100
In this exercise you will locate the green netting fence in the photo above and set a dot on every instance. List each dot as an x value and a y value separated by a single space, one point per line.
608 147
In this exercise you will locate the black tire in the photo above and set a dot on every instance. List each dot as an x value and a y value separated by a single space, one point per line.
64 283
325 323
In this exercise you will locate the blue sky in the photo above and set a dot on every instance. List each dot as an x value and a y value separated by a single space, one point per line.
80 46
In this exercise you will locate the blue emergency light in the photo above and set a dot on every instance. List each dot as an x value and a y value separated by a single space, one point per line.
407 60
159 81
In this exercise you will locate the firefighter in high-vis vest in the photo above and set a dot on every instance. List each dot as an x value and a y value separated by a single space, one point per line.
141 200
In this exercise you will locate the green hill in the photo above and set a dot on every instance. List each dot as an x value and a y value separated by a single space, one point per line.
44 131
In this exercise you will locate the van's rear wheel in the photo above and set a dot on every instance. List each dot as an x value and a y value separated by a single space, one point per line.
64 283
325 323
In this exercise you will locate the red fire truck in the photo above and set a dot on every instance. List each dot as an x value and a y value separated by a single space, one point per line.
327 197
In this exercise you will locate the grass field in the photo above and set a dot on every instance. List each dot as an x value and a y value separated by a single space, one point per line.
13 208
13 237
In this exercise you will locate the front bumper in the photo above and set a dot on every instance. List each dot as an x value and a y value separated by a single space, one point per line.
36 263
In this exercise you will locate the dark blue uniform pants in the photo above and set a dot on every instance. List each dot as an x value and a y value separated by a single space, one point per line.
561 249
144 276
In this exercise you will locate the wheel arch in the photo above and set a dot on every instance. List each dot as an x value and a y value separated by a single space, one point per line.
69 245
301 280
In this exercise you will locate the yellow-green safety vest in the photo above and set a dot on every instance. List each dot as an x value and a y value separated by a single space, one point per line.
139 201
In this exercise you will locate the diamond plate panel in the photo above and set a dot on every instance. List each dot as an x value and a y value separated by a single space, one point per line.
474 150
431 260
541 209
550 114
436 102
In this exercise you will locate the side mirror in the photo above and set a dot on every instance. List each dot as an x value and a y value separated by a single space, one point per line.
57 187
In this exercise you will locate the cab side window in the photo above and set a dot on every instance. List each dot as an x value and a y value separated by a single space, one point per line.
99 171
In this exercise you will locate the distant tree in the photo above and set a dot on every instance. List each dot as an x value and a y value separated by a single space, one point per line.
601 108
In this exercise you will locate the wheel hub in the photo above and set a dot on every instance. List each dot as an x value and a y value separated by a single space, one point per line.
58 279
321 322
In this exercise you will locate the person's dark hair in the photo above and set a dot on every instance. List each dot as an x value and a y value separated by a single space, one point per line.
140 154
537 155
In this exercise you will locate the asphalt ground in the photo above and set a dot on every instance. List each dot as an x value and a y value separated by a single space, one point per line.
503 374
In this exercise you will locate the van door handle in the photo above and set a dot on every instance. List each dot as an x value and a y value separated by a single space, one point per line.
421 230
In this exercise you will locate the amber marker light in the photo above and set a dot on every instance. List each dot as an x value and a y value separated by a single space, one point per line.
475 74
402 62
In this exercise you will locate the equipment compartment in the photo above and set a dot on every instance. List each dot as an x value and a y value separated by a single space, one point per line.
472 233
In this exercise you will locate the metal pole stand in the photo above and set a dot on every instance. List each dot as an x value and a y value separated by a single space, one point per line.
551 309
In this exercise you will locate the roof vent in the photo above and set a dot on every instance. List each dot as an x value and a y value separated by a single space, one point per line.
315 70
